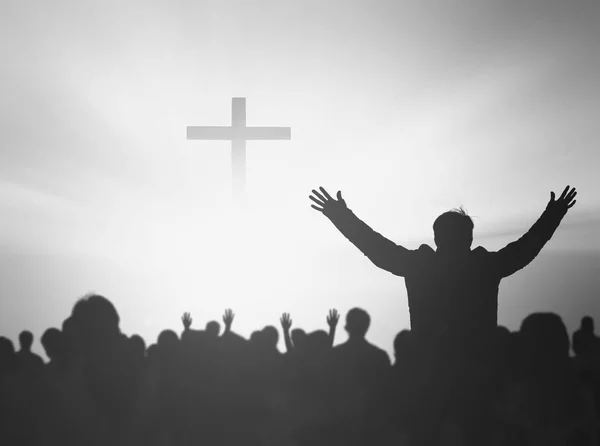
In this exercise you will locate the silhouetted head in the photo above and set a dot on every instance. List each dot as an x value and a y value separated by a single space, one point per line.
453 231
26 340
587 324
318 342
96 319
167 339
357 323
213 328
8 358
270 337
298 338
544 337
255 337
53 343
167 344
402 345
137 346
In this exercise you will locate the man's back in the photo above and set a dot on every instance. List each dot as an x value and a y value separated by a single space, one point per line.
452 298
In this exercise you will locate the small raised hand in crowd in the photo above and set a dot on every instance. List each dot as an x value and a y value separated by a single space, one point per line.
286 324
332 320
186 319
228 319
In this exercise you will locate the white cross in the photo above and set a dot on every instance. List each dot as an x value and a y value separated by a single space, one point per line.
238 134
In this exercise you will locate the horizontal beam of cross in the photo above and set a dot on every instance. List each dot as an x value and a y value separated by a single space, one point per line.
221 133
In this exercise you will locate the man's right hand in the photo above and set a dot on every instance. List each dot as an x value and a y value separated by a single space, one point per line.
326 204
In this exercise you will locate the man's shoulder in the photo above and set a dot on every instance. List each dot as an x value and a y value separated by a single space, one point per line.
377 352
424 250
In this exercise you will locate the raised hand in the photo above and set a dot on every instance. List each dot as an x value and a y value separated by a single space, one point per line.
332 318
228 317
186 319
285 321
326 204
565 202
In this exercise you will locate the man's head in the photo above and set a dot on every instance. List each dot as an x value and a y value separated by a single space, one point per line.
357 323
26 340
545 337
587 324
213 328
270 336
298 338
53 343
453 231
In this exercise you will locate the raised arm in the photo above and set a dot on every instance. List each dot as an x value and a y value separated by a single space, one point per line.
286 323
332 320
520 253
382 252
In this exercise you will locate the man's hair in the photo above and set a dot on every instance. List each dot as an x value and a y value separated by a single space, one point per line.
357 322
453 229
26 339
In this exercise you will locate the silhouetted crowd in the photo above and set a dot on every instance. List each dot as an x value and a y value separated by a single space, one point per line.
214 387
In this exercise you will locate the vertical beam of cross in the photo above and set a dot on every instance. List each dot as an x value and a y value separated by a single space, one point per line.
238 133
238 148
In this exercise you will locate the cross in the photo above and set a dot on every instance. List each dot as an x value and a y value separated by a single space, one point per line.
238 134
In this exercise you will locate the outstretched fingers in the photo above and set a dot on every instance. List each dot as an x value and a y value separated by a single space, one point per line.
319 202
322 189
564 193
319 196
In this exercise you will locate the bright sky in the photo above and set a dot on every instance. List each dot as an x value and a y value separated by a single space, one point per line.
410 108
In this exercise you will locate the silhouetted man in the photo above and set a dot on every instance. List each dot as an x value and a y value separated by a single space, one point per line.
28 360
452 291
363 357
54 346
585 341
359 375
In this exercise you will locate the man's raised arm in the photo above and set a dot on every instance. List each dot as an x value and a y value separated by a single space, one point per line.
382 252
520 253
